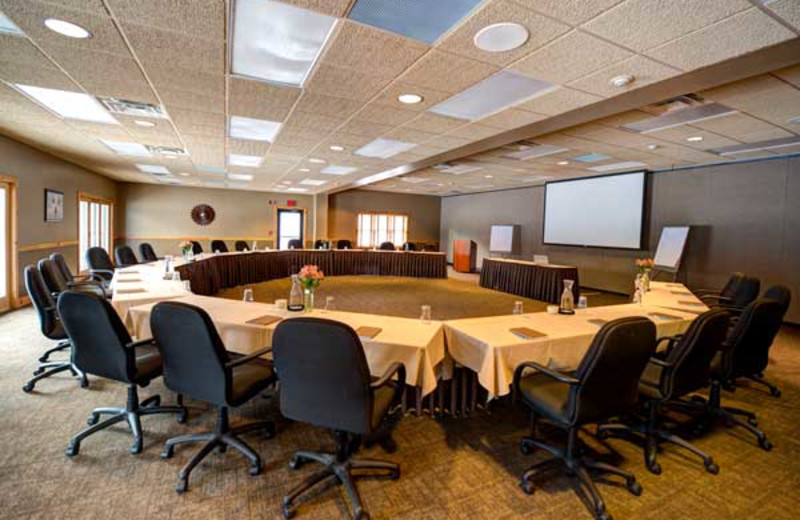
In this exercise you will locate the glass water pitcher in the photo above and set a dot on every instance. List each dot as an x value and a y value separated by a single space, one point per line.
567 298
296 301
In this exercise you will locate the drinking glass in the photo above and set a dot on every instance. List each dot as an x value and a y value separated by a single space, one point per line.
582 302
517 307
330 303
248 294
176 276
425 315
187 285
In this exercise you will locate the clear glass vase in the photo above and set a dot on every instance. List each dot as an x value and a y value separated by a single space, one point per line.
308 299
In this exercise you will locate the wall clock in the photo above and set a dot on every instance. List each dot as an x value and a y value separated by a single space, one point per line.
203 214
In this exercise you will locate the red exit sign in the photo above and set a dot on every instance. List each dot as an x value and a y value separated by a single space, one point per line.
291 203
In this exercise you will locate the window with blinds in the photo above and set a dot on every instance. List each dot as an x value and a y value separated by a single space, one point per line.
377 228
95 225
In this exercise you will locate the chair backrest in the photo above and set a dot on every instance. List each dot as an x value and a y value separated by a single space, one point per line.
746 349
192 352
344 244
219 246
430 247
781 294
611 369
53 278
196 247
147 252
325 379
692 354
295 243
730 286
241 245
320 244
44 303
61 263
746 291
386 246
97 258
125 256
409 246
98 336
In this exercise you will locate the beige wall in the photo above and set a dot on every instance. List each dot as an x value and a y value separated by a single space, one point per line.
423 213
745 217
35 171
160 215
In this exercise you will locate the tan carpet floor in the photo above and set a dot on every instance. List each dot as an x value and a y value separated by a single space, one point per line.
452 468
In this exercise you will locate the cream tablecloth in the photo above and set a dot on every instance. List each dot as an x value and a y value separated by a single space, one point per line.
142 284
420 347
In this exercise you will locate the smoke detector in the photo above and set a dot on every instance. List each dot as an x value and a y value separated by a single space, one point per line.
622 81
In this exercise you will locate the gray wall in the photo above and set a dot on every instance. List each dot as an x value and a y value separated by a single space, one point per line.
745 217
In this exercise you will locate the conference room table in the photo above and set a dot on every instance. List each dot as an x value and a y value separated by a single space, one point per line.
544 282
141 284
488 347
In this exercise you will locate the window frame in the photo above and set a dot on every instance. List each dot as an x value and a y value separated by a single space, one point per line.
381 228
89 198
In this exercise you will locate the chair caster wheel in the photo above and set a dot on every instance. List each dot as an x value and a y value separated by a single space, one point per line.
27 388
136 449
183 416
84 383
527 487
44 359
525 448
182 487
296 463
654 468
167 453
635 488
269 431
775 392
603 516
92 420
287 512
712 468
38 371
765 444
72 450
255 470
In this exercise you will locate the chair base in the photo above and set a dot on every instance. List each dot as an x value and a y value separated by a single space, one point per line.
49 368
222 438
579 467
132 414
63 345
759 379
341 466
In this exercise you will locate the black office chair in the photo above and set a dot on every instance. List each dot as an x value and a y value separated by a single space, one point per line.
344 244
219 246
409 246
72 281
325 381
746 347
684 368
241 245
147 252
743 293
727 291
320 244
124 256
101 268
51 328
295 243
430 248
102 347
605 385
196 247
386 246
54 280
196 364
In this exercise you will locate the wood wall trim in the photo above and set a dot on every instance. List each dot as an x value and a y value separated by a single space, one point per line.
48 245
12 241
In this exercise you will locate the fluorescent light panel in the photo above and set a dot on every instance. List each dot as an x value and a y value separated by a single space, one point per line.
69 105
298 190
625 165
247 161
277 42
127 148
503 90
384 148
770 144
312 182
240 177
338 170
253 129
680 117
153 168
591 157
8 27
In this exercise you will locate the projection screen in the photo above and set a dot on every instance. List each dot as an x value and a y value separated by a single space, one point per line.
602 211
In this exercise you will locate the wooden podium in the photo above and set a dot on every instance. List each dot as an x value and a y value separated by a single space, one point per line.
465 253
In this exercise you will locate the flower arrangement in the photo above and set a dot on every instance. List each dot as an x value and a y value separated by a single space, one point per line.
644 265
185 246
310 277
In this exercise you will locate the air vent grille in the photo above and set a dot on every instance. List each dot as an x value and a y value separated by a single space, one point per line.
680 117
133 108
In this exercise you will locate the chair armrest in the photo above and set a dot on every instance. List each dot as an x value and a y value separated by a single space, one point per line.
88 284
706 292
250 357
101 271
735 310
140 343
671 339
661 362
714 297
558 376
394 368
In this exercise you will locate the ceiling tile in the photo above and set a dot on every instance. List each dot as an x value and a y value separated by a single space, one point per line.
198 18
573 12
312 122
744 128
38 71
746 32
644 70
447 72
511 118
541 30
765 97
474 132
428 122
788 10
372 51
790 75
559 101
570 57
344 83
385 115
260 100
186 80
247 147
679 134
174 98
166 49
331 7
448 142
364 128
644 24
408 135
327 105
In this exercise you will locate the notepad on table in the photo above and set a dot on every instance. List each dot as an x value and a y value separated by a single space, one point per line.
690 303
368 332
527 333
665 316
598 321
129 280
681 293
264 321
132 290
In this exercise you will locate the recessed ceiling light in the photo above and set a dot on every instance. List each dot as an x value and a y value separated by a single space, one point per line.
304 170
794 121
694 139
277 42
8 27
621 81
410 99
298 190
338 170
248 161
127 148
653 146
337 148
253 129
563 163
488 176
501 37
153 168
313 182
240 177
384 148
146 124
316 161
184 174
66 28
69 105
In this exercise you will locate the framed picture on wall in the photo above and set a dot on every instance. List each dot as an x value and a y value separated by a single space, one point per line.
53 206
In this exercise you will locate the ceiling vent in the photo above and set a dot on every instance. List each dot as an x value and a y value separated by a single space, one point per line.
673 104
456 168
167 150
683 116
133 108
770 144
525 150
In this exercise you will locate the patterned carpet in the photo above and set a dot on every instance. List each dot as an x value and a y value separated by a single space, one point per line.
452 468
